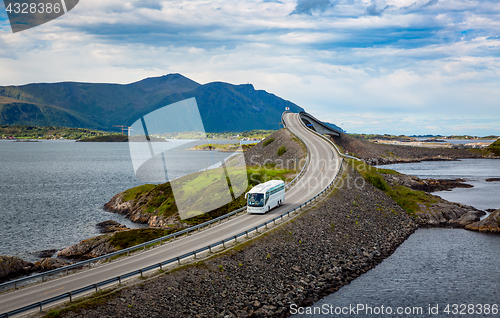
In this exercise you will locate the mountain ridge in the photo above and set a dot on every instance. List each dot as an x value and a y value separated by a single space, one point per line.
222 106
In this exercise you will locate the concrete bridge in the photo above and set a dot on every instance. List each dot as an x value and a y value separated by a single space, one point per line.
317 125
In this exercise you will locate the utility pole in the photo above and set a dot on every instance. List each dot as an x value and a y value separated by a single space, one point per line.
123 127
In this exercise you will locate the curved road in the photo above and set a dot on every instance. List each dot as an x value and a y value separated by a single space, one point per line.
323 166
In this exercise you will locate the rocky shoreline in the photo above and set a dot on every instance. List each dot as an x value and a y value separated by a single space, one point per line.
439 213
323 249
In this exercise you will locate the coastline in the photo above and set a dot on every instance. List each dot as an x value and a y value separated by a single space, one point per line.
356 258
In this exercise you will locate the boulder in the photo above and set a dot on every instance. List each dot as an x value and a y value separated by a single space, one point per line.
490 224
11 266
47 264
111 226
89 248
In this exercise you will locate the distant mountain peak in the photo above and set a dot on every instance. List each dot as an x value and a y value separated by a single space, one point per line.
223 106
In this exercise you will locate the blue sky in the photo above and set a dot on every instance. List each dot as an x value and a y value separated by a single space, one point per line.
371 66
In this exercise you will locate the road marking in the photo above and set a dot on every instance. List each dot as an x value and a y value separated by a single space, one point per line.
322 166
53 290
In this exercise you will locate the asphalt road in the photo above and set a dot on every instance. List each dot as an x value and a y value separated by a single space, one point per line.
323 166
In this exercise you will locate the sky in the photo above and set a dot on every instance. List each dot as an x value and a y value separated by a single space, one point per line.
369 66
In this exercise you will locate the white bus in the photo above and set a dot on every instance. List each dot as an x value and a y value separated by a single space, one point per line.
265 196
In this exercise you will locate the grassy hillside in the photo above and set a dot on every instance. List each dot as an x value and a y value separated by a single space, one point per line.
494 148
223 107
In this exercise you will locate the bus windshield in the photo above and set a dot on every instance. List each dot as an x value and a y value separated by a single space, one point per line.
255 199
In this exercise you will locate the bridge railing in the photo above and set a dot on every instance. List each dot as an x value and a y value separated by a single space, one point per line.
297 177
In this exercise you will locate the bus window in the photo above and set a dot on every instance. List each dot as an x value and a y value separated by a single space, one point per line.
255 199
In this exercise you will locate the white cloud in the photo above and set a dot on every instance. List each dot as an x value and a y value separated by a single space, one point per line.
410 60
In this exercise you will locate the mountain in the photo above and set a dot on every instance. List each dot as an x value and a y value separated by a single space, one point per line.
222 106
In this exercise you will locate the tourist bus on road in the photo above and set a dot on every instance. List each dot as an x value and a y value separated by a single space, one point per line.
265 196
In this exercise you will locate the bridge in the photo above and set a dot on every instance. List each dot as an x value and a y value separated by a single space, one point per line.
317 176
320 127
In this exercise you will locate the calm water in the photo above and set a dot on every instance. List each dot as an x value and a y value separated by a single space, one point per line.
434 266
484 195
52 192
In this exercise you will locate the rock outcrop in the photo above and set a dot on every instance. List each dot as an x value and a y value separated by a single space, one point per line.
427 185
111 226
491 224
440 213
89 248
447 214
47 264
11 266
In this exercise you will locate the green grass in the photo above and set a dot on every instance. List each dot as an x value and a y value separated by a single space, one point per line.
494 148
109 138
132 193
282 150
126 239
405 197
267 141
159 199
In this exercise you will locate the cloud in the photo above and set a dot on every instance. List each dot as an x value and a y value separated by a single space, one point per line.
372 9
430 3
310 6
397 59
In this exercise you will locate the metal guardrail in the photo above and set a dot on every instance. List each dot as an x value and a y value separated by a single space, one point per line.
160 265
297 177
331 142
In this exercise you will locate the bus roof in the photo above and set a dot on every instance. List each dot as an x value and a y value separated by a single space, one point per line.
263 187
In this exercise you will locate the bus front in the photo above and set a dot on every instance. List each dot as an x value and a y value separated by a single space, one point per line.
255 203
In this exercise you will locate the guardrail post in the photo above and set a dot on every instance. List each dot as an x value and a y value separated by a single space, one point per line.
265 224
43 278
256 229
223 244
95 288
194 252
210 248
66 272
274 221
109 259
128 253
179 260
144 248
141 272
235 238
119 280
246 232
40 306
70 297
161 267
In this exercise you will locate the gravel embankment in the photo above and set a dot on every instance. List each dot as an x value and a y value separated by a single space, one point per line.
260 155
301 261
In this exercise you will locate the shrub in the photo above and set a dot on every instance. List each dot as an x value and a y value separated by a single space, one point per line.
267 142
281 150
